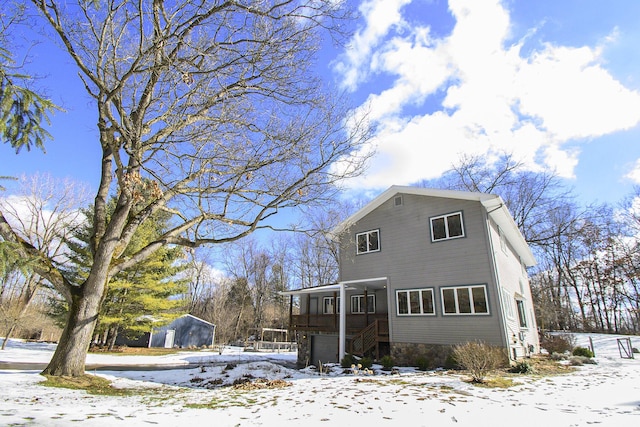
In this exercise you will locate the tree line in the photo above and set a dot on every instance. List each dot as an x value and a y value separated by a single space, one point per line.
587 276
240 295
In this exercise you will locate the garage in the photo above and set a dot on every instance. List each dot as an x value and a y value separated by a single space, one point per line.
324 348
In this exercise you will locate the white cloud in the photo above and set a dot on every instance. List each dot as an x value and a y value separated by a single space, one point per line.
536 106
380 16
634 173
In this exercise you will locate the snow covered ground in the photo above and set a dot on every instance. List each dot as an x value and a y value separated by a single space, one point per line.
606 394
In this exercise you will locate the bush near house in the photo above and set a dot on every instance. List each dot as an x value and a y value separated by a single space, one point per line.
557 343
582 351
479 359
386 362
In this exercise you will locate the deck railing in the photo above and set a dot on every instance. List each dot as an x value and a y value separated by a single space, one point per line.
331 322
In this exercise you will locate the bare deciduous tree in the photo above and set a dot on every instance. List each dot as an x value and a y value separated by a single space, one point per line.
215 108
43 213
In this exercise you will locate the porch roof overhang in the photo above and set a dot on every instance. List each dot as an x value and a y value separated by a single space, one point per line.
349 285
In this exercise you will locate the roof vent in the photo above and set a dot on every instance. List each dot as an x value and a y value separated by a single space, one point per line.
397 201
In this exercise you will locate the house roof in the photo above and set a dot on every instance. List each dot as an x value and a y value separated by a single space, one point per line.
494 205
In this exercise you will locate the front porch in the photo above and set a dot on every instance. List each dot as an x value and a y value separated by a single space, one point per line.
362 328
364 334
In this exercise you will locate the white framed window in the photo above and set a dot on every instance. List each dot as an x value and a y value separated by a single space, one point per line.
357 304
508 303
503 241
522 313
447 227
330 305
465 300
411 302
368 241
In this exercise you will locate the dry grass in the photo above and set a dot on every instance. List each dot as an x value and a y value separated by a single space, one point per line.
90 383
543 365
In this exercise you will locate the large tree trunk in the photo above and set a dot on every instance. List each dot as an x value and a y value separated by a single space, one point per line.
71 352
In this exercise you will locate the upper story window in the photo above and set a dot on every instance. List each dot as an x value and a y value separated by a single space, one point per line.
448 226
369 241
415 302
465 300
358 306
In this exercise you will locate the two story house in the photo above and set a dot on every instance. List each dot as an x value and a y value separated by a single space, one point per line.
421 270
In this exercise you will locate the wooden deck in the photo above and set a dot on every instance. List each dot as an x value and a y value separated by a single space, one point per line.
365 333
330 323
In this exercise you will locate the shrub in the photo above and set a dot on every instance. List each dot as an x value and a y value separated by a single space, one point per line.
581 360
366 363
347 361
558 356
557 343
479 359
386 362
582 351
450 362
522 368
422 363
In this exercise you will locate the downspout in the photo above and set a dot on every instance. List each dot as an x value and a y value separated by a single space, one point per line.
494 271
342 340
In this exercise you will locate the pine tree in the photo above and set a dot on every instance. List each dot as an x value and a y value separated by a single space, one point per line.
140 297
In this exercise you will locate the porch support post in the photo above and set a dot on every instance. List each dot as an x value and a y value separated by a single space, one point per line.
342 340
366 307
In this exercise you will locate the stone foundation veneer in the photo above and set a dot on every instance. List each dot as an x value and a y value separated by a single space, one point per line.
406 354
403 354
304 350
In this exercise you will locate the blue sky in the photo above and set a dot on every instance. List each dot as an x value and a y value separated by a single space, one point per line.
556 83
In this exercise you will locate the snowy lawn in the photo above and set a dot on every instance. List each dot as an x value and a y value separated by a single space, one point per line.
269 394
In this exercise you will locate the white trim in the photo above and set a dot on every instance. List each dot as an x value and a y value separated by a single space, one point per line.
367 234
342 339
446 226
373 296
471 301
420 291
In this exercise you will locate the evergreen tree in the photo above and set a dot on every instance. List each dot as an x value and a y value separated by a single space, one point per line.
140 297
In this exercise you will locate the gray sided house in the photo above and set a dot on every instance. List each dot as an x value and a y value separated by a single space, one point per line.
184 332
420 271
